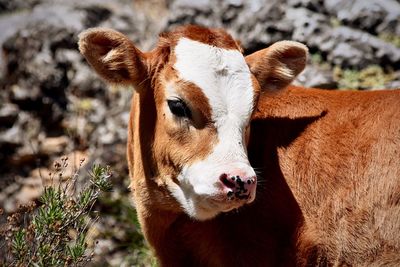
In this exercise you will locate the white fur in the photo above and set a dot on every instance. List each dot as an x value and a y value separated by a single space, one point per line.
225 79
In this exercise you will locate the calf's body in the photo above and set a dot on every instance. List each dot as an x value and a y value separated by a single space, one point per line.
205 119
338 153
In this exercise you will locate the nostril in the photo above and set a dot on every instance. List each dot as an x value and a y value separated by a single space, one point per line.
252 180
224 179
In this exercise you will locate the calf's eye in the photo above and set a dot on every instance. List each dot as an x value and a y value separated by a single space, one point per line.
179 108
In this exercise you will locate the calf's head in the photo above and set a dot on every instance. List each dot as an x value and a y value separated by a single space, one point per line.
204 92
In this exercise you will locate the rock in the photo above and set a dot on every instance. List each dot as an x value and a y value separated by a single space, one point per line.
117 259
6 203
54 145
31 190
104 246
373 15
312 5
347 54
39 83
95 15
13 136
203 5
261 23
317 77
26 98
82 81
25 156
8 115
366 49
395 83
106 137
8 190
7 5
308 27
22 192
18 144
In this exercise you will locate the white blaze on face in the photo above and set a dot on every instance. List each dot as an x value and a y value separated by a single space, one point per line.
225 80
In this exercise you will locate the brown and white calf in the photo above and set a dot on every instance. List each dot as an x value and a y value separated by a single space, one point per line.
210 127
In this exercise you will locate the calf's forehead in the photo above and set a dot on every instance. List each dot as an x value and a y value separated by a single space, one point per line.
222 74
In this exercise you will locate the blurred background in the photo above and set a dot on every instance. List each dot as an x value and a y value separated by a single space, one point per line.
53 105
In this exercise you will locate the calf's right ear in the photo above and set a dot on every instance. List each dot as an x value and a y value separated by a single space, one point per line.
113 56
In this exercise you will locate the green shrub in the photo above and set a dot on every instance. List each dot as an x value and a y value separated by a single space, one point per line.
371 77
53 231
390 38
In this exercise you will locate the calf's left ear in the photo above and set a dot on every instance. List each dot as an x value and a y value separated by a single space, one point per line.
113 56
277 66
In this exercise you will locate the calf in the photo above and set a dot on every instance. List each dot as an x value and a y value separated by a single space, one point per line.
232 166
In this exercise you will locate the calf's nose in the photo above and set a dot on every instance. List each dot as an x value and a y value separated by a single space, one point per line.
238 186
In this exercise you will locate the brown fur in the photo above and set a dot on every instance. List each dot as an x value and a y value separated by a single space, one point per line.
213 37
339 154
329 164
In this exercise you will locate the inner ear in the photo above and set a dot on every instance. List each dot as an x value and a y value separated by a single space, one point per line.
113 56
277 66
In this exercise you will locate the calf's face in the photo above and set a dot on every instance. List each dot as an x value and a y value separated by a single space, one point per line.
207 97
204 95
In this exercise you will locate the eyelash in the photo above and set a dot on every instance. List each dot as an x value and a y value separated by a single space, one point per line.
179 108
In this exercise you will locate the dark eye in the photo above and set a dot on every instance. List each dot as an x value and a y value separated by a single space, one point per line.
179 108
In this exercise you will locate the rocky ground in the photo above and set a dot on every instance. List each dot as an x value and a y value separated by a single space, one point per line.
52 104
